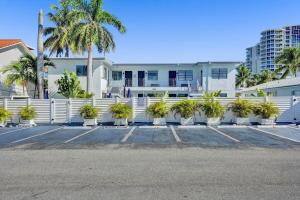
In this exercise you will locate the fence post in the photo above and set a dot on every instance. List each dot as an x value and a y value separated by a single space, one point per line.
266 98
52 110
69 110
28 101
147 102
293 99
5 103
133 108
93 101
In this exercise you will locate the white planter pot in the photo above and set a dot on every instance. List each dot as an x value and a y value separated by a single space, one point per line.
212 121
29 122
3 124
267 121
90 122
188 121
159 121
121 122
242 121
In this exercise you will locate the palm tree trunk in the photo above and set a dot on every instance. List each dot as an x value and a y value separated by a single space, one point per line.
40 55
67 51
90 69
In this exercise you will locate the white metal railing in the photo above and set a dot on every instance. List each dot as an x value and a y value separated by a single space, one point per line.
67 110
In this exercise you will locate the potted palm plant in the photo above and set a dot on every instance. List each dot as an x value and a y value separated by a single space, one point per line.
4 115
267 111
186 109
89 114
213 111
121 112
241 109
28 114
158 111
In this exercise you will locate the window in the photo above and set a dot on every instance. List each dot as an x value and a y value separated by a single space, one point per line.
185 75
116 75
81 70
152 75
219 73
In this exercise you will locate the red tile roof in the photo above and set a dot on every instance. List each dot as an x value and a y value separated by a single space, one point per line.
9 42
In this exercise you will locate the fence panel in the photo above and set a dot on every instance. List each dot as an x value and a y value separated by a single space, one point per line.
60 111
42 107
286 112
14 107
103 105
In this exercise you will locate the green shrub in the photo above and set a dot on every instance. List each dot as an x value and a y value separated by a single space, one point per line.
89 112
4 115
120 111
241 107
84 95
185 108
158 110
27 113
212 108
266 110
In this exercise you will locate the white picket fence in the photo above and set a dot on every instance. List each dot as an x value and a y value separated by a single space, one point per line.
67 110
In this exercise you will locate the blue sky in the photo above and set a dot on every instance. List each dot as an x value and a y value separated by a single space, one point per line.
169 30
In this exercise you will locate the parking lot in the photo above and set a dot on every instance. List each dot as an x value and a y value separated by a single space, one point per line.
55 136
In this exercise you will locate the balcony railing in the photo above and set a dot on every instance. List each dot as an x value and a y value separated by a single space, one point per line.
128 82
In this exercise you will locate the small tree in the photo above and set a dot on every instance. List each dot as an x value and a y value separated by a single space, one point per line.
69 86
158 110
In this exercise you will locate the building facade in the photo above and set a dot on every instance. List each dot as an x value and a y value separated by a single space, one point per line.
11 50
272 42
141 80
253 59
283 87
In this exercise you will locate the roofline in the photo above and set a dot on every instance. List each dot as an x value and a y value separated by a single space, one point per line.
268 85
20 42
196 63
94 59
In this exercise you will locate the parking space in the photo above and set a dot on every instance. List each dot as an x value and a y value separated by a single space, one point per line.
248 136
292 134
67 137
160 136
203 136
99 135
13 137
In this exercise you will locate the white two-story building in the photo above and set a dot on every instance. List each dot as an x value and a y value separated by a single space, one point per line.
178 80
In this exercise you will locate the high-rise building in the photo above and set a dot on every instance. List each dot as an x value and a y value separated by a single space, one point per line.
253 58
272 42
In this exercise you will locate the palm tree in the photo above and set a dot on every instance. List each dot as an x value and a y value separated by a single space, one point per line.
24 71
89 30
289 62
59 40
243 76
266 76
254 80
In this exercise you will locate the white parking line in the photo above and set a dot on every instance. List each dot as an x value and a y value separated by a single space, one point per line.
177 138
14 131
128 134
267 132
224 134
83 134
33 136
294 128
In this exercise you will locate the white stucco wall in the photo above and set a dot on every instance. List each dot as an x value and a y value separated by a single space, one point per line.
62 64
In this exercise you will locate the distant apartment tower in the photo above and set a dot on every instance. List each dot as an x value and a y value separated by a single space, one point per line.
272 43
253 58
